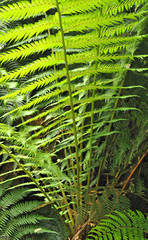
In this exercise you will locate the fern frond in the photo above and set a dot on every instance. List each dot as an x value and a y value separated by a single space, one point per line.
28 31
121 225
98 204
16 214
76 6
119 7
12 197
25 9
71 63
25 50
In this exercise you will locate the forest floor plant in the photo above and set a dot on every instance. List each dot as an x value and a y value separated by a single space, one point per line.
18 217
69 105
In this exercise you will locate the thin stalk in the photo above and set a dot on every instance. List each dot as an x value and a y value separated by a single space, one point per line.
91 133
71 103
68 208
65 154
71 162
82 125
92 118
65 208
73 171
116 178
133 170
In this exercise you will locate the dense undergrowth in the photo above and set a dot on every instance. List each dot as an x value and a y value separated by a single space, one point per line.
73 107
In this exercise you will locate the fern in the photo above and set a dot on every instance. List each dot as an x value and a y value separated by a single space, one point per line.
73 59
121 225
100 203
16 217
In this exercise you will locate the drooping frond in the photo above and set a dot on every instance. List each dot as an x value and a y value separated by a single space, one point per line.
17 219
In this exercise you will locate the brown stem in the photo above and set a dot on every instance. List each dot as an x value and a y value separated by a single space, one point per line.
132 172
78 233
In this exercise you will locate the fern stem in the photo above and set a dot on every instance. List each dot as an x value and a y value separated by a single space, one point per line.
116 178
71 103
65 154
92 117
73 171
68 208
133 170
91 134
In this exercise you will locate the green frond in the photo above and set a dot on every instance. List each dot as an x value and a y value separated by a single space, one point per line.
24 230
39 64
84 41
12 197
121 225
25 9
123 28
17 219
67 97
106 201
76 6
83 22
126 5
28 31
23 207
25 50
39 83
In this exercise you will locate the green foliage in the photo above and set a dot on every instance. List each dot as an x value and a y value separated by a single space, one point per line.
121 225
67 115
17 217
100 203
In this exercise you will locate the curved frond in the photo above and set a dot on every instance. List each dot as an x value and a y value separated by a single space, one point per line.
127 225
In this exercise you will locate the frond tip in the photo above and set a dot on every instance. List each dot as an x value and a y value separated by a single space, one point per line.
121 225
